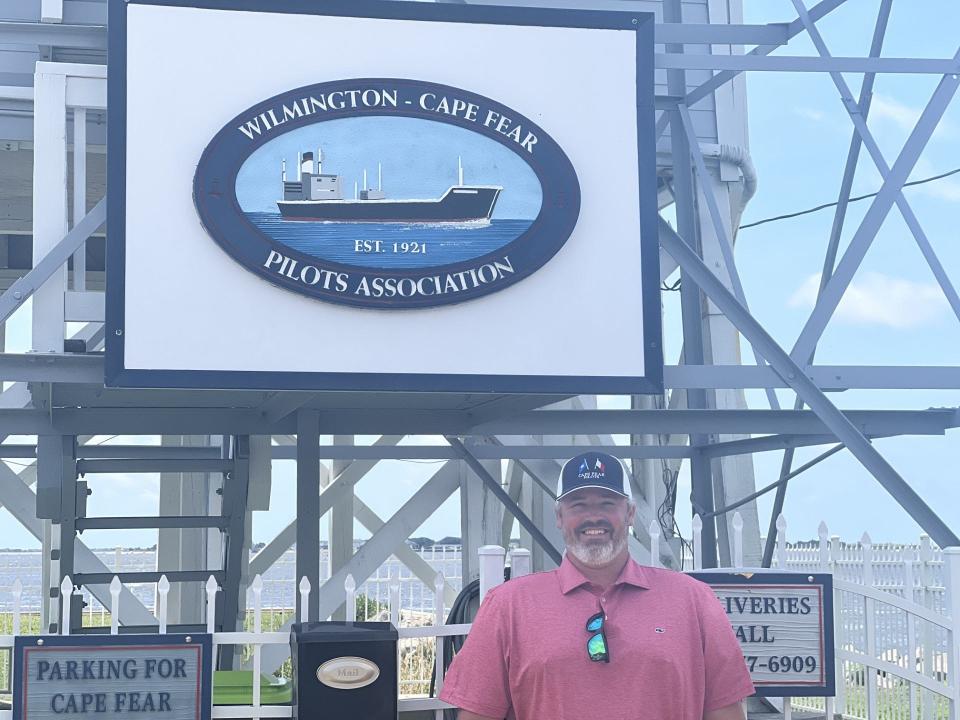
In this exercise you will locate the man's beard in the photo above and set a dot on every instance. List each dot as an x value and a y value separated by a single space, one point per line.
594 554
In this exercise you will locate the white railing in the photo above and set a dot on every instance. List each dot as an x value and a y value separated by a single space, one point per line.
896 611
895 641
414 627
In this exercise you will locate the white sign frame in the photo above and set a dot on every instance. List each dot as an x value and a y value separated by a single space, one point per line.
181 313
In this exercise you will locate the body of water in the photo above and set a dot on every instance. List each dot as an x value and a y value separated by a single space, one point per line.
390 245
279 582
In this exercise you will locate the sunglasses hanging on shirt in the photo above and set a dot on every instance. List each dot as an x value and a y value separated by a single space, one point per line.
597 648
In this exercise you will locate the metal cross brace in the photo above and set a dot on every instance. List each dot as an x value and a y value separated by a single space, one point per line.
505 498
857 116
24 287
788 369
793 29
830 258
890 192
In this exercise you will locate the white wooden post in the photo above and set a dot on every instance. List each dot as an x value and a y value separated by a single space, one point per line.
908 592
257 587
350 591
66 600
737 540
951 565
211 603
839 626
929 655
781 542
438 586
115 587
654 531
163 589
787 709
80 193
519 562
304 598
870 627
49 201
17 590
823 534
394 600
491 568
695 545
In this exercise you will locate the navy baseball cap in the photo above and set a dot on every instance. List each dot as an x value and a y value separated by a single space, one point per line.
593 470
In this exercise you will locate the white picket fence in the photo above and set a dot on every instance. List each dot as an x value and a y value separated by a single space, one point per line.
896 614
895 633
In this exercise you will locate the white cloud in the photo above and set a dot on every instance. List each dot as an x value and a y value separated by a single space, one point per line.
810 114
903 116
945 189
878 299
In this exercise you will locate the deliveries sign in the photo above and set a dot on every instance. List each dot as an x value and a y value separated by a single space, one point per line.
117 677
784 622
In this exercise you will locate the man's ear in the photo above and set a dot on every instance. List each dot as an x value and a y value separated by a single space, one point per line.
631 511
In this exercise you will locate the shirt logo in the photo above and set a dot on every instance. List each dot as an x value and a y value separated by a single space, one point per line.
659 630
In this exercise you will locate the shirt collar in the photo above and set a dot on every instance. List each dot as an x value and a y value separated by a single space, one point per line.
571 578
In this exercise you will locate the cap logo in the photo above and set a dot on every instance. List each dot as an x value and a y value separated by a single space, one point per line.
599 471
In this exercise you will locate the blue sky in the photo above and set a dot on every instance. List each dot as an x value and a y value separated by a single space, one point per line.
894 314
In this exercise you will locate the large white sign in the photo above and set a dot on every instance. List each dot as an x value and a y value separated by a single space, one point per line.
382 196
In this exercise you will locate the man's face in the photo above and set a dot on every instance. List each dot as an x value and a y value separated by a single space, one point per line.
594 524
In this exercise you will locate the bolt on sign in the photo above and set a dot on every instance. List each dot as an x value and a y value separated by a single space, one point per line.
120 677
361 195
784 622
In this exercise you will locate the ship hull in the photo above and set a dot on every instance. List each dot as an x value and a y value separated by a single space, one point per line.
458 205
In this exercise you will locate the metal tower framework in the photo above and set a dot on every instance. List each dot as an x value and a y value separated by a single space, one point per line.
218 446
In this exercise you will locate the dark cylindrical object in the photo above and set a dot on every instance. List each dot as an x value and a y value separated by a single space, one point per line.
344 670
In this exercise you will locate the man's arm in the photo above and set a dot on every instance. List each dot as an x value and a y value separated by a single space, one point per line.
729 712
464 715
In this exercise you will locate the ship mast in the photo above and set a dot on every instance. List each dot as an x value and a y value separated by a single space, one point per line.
459 171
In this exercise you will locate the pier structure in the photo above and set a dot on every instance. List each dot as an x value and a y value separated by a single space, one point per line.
217 449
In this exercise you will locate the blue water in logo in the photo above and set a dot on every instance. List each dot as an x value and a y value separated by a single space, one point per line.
400 245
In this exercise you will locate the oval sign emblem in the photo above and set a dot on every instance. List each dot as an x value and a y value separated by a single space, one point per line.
387 193
348 673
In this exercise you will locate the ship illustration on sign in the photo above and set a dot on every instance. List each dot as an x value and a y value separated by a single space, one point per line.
417 235
318 196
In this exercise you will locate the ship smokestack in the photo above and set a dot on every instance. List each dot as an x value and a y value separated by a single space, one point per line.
306 163
365 179
459 171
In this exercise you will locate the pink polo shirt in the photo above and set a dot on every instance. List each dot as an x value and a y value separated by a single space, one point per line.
673 654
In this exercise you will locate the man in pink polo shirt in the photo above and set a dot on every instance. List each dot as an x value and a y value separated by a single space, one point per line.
600 638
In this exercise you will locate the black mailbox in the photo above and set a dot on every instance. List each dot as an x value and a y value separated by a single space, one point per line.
344 670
